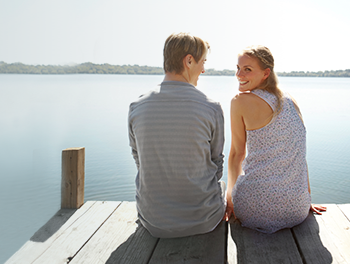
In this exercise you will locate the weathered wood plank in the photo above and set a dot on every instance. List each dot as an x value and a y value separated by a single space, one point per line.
47 234
231 249
73 177
68 239
255 247
120 240
75 236
309 242
345 208
205 248
327 234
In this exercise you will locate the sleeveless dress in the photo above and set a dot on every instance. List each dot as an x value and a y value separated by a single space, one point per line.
273 192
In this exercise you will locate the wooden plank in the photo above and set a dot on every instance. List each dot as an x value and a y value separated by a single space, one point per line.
120 240
345 208
45 236
309 242
71 240
255 247
204 248
327 234
73 174
231 249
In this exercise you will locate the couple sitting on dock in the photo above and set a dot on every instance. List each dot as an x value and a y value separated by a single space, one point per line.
177 138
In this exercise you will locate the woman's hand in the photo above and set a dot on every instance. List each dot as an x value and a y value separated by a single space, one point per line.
315 208
229 209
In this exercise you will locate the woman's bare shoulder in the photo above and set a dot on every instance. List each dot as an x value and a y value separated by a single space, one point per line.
243 99
243 96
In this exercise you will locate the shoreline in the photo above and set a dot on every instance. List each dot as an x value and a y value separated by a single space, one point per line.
91 68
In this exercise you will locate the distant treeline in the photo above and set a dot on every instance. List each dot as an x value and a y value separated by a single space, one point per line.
84 68
338 73
91 68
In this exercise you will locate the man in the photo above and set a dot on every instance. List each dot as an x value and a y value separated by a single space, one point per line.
177 137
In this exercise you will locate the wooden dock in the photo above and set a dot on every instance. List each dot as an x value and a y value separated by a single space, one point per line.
108 232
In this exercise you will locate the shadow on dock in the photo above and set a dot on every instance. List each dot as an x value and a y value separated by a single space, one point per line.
138 248
142 248
307 238
301 244
53 225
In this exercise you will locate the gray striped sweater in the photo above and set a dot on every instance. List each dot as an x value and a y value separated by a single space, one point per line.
177 135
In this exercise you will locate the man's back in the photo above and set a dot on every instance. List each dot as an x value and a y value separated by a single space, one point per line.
177 138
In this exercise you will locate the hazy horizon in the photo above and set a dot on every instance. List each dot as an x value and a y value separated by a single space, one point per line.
302 35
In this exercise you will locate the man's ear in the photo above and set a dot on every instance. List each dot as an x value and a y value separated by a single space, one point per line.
188 61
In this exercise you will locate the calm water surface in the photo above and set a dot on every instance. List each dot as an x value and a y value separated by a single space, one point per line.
41 115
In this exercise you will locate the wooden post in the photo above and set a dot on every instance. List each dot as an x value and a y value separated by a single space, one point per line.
73 174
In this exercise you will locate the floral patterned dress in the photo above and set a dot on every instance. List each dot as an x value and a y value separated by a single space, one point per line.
273 192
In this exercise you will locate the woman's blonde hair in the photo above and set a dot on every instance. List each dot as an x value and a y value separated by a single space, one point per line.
266 60
178 46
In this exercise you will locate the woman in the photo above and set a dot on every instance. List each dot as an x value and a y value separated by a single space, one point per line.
269 188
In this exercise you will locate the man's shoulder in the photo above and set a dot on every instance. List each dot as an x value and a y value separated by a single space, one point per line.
144 97
179 93
213 103
209 102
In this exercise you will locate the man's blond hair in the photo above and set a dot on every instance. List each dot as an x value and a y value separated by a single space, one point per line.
178 46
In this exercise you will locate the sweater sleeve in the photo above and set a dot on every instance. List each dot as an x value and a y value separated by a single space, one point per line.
217 143
132 140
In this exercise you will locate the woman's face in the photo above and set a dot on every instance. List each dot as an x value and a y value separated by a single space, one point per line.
249 73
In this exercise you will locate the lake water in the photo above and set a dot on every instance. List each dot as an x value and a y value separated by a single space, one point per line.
42 115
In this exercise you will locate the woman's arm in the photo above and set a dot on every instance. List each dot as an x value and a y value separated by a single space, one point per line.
237 151
313 207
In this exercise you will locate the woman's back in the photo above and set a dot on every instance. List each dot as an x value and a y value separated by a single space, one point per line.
273 193
257 112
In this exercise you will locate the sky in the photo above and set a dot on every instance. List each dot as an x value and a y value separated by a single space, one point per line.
303 35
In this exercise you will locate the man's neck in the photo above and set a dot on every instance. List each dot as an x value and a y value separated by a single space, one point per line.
171 76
